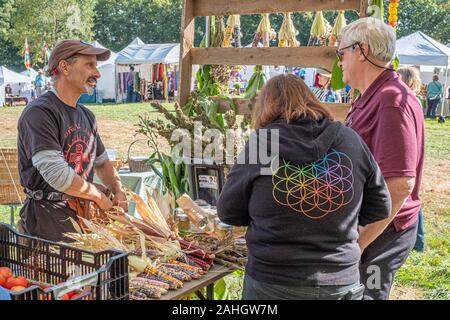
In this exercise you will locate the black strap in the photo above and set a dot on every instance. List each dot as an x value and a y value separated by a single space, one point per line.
40 195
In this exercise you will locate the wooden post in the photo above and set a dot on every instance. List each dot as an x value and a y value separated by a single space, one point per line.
363 8
187 43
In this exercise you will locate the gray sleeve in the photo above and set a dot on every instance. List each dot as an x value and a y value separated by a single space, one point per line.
54 169
101 159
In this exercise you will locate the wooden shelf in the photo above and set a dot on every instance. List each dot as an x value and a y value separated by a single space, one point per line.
221 8
320 57
338 110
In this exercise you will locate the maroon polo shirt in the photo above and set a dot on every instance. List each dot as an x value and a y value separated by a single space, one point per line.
389 118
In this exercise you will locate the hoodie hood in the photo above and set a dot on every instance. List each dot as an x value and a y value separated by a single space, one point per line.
303 140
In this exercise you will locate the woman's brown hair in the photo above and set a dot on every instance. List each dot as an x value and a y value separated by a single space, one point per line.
287 97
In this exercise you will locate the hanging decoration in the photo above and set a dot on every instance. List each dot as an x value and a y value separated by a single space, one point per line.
393 13
26 58
288 34
233 35
264 32
318 30
339 24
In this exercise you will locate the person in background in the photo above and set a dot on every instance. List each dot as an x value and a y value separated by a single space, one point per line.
434 93
330 95
448 96
130 86
39 82
303 215
411 77
33 91
8 90
390 120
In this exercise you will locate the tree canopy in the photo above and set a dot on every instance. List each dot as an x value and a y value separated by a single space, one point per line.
115 23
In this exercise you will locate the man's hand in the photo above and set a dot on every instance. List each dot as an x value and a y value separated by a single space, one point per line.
104 203
120 199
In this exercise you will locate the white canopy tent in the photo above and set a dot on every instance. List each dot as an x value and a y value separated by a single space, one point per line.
422 50
31 73
106 85
20 84
145 55
167 53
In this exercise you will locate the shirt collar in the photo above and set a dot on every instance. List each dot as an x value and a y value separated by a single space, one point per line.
384 77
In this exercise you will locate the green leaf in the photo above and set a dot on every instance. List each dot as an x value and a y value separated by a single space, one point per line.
336 76
396 62
221 291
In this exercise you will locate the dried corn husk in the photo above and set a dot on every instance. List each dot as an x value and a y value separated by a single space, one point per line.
265 31
288 34
151 215
230 37
340 23
318 28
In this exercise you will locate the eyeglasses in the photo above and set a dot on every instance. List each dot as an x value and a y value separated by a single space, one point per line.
340 52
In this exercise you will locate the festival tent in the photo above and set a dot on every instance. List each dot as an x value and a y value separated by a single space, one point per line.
106 86
154 65
422 50
21 85
31 73
168 53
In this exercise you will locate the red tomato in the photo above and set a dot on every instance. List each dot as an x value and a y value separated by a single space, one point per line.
16 281
17 288
66 297
2 280
6 272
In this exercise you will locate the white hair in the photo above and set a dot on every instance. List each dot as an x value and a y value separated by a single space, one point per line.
378 35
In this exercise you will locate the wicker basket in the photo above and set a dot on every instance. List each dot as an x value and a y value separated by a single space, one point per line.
138 164
11 191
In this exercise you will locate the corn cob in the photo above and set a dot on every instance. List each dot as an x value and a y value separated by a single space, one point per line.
192 274
141 281
141 288
187 266
195 250
180 275
156 272
136 295
150 292
198 262
288 33
172 285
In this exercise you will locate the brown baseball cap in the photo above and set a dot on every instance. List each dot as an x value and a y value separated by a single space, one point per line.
68 48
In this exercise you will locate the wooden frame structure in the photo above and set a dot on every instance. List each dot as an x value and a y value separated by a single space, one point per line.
320 57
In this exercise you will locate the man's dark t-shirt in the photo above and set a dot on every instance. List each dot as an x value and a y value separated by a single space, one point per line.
49 124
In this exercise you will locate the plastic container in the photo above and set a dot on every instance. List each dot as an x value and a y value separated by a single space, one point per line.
98 275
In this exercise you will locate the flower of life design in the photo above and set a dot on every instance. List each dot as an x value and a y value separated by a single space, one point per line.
317 188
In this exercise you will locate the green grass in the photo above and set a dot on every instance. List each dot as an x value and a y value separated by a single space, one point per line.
429 272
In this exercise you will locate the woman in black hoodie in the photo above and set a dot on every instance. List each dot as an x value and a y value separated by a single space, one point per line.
305 204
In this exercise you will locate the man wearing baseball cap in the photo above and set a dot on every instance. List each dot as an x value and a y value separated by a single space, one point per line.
60 148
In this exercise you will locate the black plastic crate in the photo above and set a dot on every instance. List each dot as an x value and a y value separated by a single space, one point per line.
99 275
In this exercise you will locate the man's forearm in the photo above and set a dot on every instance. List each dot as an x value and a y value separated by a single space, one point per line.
80 188
400 188
109 176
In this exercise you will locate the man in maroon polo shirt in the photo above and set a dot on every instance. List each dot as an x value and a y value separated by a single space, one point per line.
389 118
